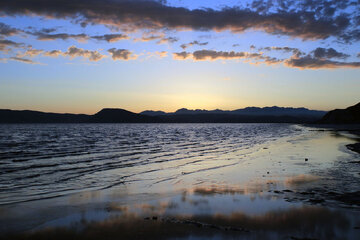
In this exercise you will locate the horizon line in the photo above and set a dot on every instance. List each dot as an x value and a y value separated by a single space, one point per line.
194 109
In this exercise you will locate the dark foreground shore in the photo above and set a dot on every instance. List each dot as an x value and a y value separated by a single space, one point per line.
303 187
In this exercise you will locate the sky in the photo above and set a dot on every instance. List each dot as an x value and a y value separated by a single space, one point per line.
80 56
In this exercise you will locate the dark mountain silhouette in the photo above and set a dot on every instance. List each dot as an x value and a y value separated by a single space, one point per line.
350 115
250 111
27 116
114 115
153 113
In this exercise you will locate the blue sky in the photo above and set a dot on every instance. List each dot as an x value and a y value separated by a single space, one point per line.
174 54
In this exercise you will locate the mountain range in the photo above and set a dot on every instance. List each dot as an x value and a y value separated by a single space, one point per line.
183 115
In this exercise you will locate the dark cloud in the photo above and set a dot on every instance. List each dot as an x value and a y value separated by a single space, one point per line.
309 62
121 54
79 52
111 37
214 55
297 60
48 30
303 19
294 51
43 36
211 55
186 45
5 44
329 53
6 30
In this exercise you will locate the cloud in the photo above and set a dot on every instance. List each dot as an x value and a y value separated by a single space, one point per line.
30 53
73 52
6 30
294 51
184 46
202 55
121 54
5 45
309 62
111 37
329 53
43 36
297 60
318 20
53 53
182 55
23 60
161 54
168 40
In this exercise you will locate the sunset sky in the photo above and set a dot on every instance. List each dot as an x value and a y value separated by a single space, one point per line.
80 56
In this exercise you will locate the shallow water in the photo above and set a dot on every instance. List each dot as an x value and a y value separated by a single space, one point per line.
203 181
46 160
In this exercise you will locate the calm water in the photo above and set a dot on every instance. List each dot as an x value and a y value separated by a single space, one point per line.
42 161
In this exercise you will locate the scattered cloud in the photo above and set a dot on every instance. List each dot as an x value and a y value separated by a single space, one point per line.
294 51
30 53
43 36
53 53
111 37
23 60
6 30
297 60
329 53
309 62
184 46
182 55
121 54
149 37
168 40
73 52
161 54
6 45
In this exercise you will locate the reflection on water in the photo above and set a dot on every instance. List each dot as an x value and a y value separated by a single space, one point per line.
207 181
292 223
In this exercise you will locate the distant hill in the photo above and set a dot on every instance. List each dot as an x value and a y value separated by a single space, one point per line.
350 115
116 115
249 111
27 116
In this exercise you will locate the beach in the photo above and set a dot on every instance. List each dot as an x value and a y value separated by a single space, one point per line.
303 184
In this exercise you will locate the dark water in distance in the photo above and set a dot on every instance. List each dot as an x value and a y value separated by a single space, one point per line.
46 160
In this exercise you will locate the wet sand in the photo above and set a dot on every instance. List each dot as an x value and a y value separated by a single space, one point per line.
304 187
